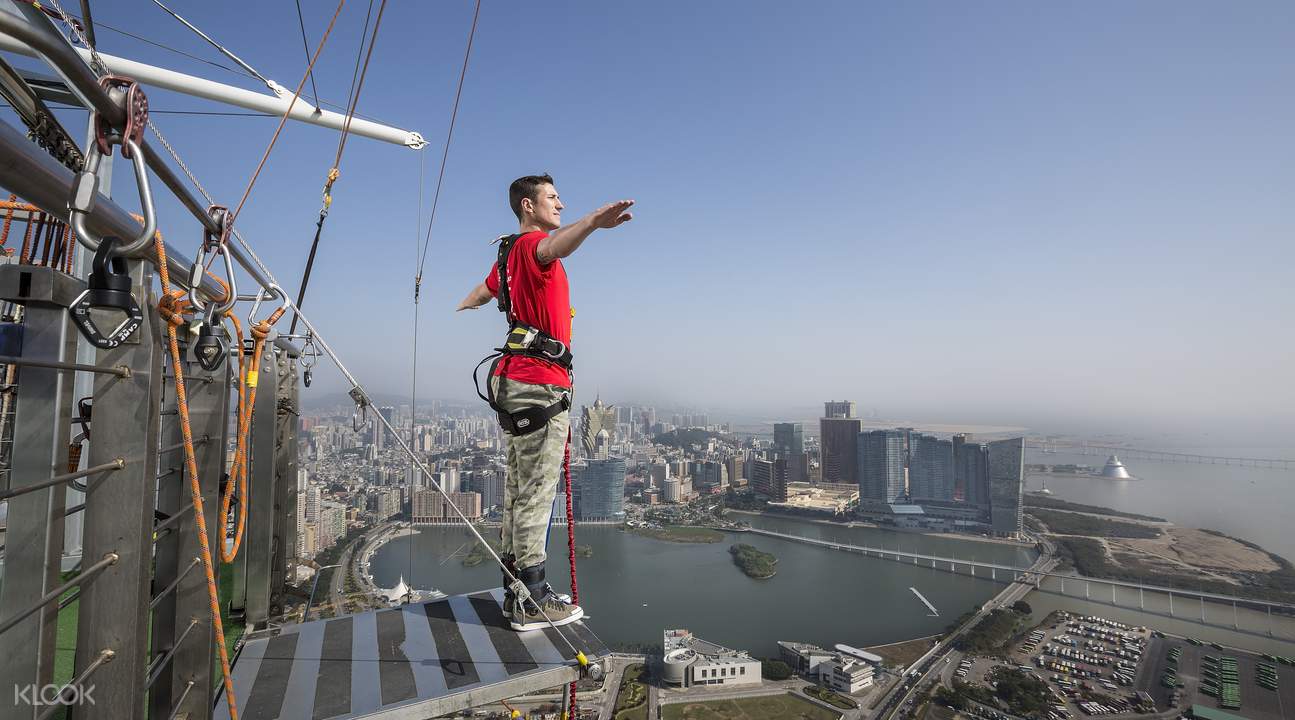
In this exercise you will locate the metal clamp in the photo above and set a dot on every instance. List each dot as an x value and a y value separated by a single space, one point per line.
131 97
360 417
309 358
219 244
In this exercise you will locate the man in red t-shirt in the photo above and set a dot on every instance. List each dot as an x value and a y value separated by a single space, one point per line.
538 297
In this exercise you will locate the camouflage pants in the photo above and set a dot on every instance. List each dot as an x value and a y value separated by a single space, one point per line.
534 470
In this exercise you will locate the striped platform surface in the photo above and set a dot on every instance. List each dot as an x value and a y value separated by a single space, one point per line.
419 660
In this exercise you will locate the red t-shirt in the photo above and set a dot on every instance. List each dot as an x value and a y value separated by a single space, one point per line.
540 298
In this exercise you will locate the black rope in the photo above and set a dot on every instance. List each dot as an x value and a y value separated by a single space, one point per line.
88 22
310 263
354 98
305 45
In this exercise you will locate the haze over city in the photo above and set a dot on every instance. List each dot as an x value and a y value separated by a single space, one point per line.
1070 216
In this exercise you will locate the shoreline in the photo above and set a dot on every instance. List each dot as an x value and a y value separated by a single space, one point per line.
865 524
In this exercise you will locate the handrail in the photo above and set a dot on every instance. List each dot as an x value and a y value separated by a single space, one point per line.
157 599
115 464
120 371
179 702
104 656
52 595
175 517
155 670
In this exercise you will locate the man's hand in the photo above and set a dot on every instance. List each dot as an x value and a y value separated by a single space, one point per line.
612 214
566 239
478 296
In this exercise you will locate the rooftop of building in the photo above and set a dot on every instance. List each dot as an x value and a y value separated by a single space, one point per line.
804 648
712 652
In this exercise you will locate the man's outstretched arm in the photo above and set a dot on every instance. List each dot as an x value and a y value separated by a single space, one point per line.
566 239
478 296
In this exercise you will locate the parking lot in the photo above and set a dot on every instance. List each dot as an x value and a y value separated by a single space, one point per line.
1090 664
1190 670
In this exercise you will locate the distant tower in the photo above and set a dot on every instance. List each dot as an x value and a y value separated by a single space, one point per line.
839 409
593 420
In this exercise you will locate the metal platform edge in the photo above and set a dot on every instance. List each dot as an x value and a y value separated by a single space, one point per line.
473 696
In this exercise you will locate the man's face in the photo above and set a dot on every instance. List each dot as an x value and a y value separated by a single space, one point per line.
546 209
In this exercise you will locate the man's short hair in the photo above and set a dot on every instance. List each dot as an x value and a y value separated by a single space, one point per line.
526 187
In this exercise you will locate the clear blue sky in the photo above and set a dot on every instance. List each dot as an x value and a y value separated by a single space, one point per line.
1001 212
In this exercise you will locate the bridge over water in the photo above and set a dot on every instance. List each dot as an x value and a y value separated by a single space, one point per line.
1087 448
1056 583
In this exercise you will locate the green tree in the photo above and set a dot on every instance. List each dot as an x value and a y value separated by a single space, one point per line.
775 669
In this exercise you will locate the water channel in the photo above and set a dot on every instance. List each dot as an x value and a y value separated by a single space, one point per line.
634 587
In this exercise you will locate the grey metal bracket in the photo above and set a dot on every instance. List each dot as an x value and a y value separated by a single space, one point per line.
260 539
42 420
119 518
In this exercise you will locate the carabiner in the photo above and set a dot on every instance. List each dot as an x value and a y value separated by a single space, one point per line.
85 188
85 191
221 245
275 290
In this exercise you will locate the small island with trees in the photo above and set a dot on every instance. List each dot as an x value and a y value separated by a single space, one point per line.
756 564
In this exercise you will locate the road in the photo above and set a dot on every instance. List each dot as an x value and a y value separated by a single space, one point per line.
934 659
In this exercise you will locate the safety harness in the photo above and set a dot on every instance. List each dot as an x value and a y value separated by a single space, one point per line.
528 341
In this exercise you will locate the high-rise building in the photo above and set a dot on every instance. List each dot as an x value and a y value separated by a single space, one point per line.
769 478
658 472
594 419
930 468
708 474
838 437
789 442
388 413
671 491
1006 472
431 507
736 469
492 486
312 504
838 409
880 457
971 470
598 489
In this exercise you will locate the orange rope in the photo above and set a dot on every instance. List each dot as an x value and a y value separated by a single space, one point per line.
238 473
8 219
170 309
26 242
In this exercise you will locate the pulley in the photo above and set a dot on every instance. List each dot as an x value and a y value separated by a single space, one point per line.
309 356
108 290
210 348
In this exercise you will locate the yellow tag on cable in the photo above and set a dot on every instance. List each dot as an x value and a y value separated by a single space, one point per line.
252 377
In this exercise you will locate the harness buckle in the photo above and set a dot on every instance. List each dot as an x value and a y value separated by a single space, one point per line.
521 337
556 356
